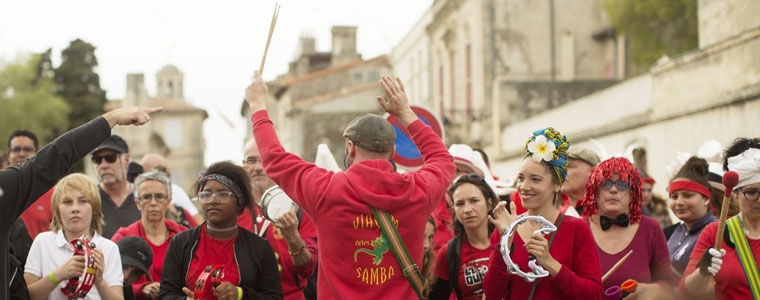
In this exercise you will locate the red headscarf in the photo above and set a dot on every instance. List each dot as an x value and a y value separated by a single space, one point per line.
603 172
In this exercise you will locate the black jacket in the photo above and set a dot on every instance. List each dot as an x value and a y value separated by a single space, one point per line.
22 185
259 275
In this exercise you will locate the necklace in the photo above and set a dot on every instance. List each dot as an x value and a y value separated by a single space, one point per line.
209 227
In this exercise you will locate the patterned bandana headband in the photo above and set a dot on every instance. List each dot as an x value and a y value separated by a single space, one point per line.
224 180
550 146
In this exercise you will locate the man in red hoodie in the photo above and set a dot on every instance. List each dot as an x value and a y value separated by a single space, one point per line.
355 261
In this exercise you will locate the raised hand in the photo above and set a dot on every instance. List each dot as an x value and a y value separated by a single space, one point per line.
288 224
397 103
503 217
256 93
130 115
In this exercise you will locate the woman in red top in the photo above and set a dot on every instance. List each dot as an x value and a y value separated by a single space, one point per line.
573 269
153 195
473 199
726 268
248 261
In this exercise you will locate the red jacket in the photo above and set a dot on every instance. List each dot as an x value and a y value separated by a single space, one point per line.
355 262
137 229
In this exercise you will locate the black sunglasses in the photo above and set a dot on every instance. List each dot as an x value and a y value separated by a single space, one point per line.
110 158
620 185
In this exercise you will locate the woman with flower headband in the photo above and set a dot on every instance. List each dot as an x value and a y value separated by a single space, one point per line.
473 199
733 269
612 208
51 261
573 270
250 268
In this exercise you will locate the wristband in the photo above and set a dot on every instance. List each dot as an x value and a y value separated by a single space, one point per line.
297 252
52 279
240 293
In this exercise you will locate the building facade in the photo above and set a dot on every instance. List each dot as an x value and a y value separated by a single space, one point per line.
176 132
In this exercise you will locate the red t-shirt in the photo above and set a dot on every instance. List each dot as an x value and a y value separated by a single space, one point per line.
731 281
213 252
473 265
38 216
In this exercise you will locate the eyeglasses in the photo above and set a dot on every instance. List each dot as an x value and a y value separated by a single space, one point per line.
159 197
620 185
110 158
750 194
222 196
18 149
468 178
251 161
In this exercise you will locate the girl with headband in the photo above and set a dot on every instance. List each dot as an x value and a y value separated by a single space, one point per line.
51 261
734 268
612 208
690 201
249 265
573 269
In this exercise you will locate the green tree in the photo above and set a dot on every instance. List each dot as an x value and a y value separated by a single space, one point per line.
29 101
655 28
79 84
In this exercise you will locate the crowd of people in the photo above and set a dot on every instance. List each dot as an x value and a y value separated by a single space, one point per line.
573 225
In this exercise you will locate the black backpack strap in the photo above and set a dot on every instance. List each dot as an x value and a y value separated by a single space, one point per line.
453 257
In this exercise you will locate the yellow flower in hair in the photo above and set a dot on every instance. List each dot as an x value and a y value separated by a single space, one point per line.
541 149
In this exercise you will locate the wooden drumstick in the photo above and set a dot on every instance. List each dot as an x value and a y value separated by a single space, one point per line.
730 180
617 265
269 38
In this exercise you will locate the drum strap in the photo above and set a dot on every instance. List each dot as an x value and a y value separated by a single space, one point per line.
744 252
411 271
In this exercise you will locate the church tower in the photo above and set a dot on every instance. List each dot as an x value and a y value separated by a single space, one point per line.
169 83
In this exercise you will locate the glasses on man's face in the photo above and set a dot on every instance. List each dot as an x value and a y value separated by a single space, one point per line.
620 185
110 158
221 196
251 160
750 194
18 149
159 197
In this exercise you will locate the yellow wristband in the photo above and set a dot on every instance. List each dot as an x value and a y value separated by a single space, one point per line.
52 279
240 293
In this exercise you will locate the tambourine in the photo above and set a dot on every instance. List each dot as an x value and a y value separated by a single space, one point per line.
76 288
275 203
208 280
538 272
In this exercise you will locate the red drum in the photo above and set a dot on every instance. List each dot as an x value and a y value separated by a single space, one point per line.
76 288
275 203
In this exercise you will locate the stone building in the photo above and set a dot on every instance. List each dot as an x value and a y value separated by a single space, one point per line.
532 55
322 92
176 132
709 93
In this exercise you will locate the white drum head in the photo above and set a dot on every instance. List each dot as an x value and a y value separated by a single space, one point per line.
275 203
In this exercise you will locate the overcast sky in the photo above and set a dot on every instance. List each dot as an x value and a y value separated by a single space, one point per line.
217 46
